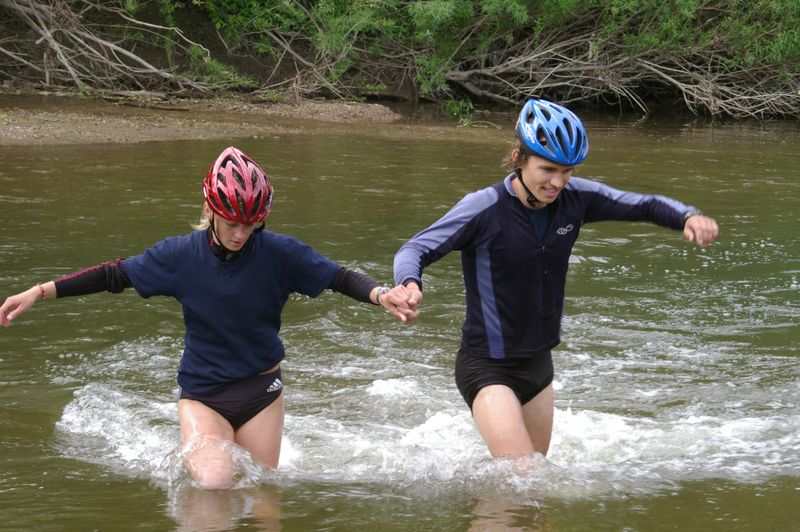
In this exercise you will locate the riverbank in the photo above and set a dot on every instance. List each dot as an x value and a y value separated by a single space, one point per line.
47 119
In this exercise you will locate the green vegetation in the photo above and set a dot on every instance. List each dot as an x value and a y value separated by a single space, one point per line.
214 72
727 57
710 53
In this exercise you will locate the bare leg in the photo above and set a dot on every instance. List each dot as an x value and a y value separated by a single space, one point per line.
510 429
538 414
498 416
261 436
210 465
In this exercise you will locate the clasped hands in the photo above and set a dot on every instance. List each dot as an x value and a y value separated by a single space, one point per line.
402 302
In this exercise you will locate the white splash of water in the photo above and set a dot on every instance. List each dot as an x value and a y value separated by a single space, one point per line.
121 429
412 430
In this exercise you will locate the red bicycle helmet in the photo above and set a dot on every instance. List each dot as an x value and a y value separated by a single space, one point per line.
237 189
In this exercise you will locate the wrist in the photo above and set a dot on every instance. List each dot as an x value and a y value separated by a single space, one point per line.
41 295
380 291
691 212
412 283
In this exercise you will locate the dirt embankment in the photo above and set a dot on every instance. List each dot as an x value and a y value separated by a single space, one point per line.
48 119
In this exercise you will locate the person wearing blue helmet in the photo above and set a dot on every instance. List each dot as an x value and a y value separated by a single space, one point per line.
515 239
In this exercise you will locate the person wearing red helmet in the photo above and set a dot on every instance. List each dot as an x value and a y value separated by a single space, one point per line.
515 239
232 278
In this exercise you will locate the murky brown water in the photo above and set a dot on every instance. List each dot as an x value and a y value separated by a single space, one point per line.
677 383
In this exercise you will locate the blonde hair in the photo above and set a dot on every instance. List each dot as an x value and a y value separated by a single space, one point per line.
205 220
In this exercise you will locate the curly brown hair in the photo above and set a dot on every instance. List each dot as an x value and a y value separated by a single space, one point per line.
516 157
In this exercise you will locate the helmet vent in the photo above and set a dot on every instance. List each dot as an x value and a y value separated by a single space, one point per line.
223 198
529 117
238 177
241 204
563 141
541 136
569 129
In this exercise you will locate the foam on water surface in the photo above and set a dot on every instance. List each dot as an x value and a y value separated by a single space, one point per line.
408 431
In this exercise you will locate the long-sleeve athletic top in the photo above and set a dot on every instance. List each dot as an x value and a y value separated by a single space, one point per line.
514 278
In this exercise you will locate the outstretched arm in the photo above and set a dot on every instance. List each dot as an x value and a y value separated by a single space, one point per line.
20 303
701 229
108 276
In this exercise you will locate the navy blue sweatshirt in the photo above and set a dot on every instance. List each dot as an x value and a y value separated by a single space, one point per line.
232 310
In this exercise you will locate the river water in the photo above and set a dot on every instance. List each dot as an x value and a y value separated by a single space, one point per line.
677 384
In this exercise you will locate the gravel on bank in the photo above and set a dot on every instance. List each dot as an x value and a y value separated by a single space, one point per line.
48 119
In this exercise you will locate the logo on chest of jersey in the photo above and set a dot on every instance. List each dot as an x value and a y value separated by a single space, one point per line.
565 230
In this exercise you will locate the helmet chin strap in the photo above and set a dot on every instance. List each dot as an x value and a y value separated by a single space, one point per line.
226 254
531 199
213 226
219 248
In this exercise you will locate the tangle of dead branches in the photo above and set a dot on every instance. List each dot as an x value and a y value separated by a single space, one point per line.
56 43
99 45
572 71
574 67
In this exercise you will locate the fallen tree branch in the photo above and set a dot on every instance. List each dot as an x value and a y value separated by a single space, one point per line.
63 46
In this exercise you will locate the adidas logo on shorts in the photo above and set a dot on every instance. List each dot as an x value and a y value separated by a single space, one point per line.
275 386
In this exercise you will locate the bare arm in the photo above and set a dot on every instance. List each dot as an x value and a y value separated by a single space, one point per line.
20 303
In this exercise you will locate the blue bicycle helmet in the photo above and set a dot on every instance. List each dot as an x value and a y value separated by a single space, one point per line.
552 131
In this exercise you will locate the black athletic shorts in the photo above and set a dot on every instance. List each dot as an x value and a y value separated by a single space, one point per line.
242 400
525 376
